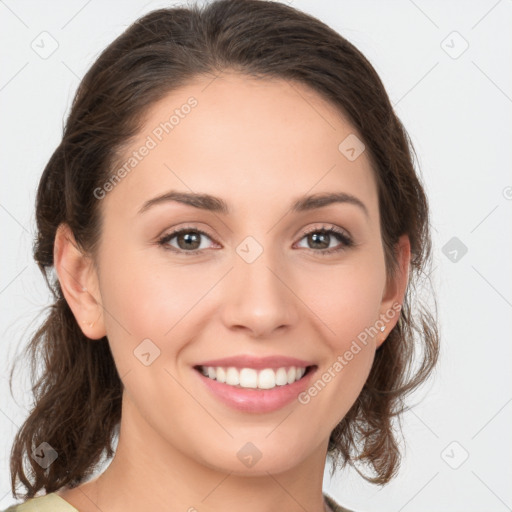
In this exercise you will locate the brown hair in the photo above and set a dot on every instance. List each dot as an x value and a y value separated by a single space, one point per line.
77 398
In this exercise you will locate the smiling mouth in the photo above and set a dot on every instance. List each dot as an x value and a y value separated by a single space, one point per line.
250 378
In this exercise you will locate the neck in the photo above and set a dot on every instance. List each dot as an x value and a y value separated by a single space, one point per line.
149 474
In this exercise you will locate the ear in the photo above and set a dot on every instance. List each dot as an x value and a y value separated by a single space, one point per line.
79 283
394 293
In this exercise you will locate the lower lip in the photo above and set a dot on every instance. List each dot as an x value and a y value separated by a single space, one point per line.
257 400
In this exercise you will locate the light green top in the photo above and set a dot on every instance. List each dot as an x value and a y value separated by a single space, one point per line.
54 503
49 503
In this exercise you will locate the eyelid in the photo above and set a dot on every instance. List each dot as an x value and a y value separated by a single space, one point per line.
327 227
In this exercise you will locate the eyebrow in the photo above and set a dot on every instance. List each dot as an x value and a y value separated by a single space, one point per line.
218 205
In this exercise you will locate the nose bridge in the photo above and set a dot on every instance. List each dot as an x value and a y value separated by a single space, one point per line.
258 299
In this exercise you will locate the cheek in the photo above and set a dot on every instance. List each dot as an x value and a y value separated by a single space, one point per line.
346 299
349 358
145 299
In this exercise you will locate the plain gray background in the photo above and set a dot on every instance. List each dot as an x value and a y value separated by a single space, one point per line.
446 67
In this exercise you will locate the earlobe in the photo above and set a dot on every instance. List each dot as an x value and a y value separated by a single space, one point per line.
396 288
79 283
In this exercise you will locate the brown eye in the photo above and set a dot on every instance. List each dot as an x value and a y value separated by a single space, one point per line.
188 240
319 240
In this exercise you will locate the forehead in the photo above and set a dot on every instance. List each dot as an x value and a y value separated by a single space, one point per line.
245 139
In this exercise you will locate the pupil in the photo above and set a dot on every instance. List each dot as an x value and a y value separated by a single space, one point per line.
188 237
315 237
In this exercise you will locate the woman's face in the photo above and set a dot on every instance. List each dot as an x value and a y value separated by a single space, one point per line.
258 279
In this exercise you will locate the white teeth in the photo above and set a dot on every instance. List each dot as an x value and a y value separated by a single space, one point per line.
232 377
221 374
282 377
292 373
248 378
266 378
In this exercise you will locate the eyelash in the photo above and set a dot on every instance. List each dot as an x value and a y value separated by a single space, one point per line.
346 241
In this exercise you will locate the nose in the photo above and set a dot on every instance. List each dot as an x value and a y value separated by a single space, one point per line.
259 297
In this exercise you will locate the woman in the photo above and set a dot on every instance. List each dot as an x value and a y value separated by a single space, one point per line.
235 225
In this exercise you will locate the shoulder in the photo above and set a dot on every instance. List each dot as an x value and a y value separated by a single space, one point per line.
54 503
48 503
333 505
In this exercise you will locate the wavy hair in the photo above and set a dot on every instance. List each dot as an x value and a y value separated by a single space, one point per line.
77 394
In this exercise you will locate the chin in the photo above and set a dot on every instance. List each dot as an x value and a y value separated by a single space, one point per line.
255 458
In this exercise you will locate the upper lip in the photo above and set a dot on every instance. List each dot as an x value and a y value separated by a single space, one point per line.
247 361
